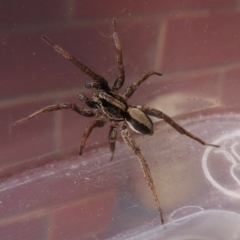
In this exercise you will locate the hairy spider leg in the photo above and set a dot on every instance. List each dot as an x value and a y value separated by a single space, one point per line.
120 80
147 173
88 130
112 140
156 113
133 87
103 82
82 111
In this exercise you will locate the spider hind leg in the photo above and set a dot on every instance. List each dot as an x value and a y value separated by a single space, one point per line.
147 173
156 113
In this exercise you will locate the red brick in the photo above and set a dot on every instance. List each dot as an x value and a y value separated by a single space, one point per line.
30 66
126 8
194 42
85 218
201 84
27 228
25 13
34 138
230 89
14 14
196 84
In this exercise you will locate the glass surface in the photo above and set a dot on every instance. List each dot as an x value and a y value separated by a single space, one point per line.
48 191
114 196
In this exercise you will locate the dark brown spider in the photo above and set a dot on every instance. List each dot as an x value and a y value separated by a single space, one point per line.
108 105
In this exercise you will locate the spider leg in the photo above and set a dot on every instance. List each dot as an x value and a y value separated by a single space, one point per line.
156 113
88 130
112 140
120 80
103 82
133 87
82 111
147 173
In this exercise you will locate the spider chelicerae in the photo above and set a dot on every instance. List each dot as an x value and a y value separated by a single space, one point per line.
107 104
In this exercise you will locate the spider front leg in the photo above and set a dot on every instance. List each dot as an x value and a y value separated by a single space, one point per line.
88 130
133 87
112 140
147 173
156 113
82 111
120 80
103 84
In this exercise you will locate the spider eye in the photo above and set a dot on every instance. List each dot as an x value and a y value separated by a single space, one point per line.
138 121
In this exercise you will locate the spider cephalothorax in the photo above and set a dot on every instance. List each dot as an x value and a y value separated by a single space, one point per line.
107 104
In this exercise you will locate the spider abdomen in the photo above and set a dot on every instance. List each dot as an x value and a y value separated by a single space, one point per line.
138 121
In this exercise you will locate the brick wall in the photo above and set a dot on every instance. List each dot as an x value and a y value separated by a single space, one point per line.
195 44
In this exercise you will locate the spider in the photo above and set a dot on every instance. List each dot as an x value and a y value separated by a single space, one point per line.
107 104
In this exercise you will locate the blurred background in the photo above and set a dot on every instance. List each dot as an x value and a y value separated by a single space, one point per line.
47 191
